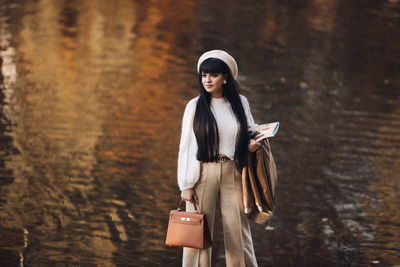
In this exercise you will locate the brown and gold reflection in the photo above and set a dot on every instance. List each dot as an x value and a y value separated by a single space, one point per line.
145 123
67 61
323 15
387 164
99 113
12 232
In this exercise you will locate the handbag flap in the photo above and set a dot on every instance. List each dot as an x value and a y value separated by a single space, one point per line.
186 217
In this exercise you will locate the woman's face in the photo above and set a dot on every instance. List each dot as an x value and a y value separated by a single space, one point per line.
213 82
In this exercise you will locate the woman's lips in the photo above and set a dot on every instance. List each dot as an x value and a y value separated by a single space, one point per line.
209 85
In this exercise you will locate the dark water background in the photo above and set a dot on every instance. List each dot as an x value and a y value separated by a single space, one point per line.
91 101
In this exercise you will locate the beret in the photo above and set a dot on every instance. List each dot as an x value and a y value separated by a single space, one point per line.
222 55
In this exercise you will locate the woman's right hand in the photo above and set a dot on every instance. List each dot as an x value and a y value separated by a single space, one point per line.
189 195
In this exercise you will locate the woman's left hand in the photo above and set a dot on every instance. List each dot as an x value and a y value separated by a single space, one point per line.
253 145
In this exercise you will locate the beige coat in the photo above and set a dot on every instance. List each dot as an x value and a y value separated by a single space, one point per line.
259 179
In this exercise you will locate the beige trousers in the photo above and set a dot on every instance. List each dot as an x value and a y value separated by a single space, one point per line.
222 180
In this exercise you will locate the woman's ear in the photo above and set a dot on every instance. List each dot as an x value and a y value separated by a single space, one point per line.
226 76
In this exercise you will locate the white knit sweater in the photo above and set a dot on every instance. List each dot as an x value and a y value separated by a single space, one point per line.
188 165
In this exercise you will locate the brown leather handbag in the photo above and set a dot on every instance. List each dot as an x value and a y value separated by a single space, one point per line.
188 229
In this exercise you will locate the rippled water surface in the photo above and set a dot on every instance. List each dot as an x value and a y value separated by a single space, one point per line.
91 102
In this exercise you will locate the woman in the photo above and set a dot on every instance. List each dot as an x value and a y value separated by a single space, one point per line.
213 149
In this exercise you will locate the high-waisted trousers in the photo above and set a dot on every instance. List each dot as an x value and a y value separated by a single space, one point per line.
223 180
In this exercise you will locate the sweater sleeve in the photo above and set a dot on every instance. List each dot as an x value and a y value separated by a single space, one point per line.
246 106
188 165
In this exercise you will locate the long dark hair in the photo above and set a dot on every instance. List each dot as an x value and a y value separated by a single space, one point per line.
204 125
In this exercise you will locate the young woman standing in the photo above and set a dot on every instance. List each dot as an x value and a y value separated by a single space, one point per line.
213 149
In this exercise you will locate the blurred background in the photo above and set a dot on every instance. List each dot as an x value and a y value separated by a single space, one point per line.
91 103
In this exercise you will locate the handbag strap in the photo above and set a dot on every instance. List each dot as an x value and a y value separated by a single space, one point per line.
181 203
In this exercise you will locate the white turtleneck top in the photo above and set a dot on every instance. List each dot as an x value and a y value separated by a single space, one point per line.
228 125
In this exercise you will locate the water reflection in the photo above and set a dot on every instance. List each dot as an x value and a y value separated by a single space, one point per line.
92 94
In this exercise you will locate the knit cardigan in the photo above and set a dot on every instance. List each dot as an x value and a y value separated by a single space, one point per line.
188 165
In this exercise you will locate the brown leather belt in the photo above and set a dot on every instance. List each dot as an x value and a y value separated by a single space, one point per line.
222 158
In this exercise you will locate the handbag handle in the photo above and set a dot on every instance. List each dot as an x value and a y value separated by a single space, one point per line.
181 203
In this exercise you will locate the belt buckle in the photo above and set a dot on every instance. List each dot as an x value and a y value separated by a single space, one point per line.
222 158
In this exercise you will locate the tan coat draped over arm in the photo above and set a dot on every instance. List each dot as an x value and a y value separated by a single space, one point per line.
259 179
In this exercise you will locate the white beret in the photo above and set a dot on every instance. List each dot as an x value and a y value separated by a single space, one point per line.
222 55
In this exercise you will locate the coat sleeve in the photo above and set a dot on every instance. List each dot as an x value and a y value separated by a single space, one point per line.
246 106
188 165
